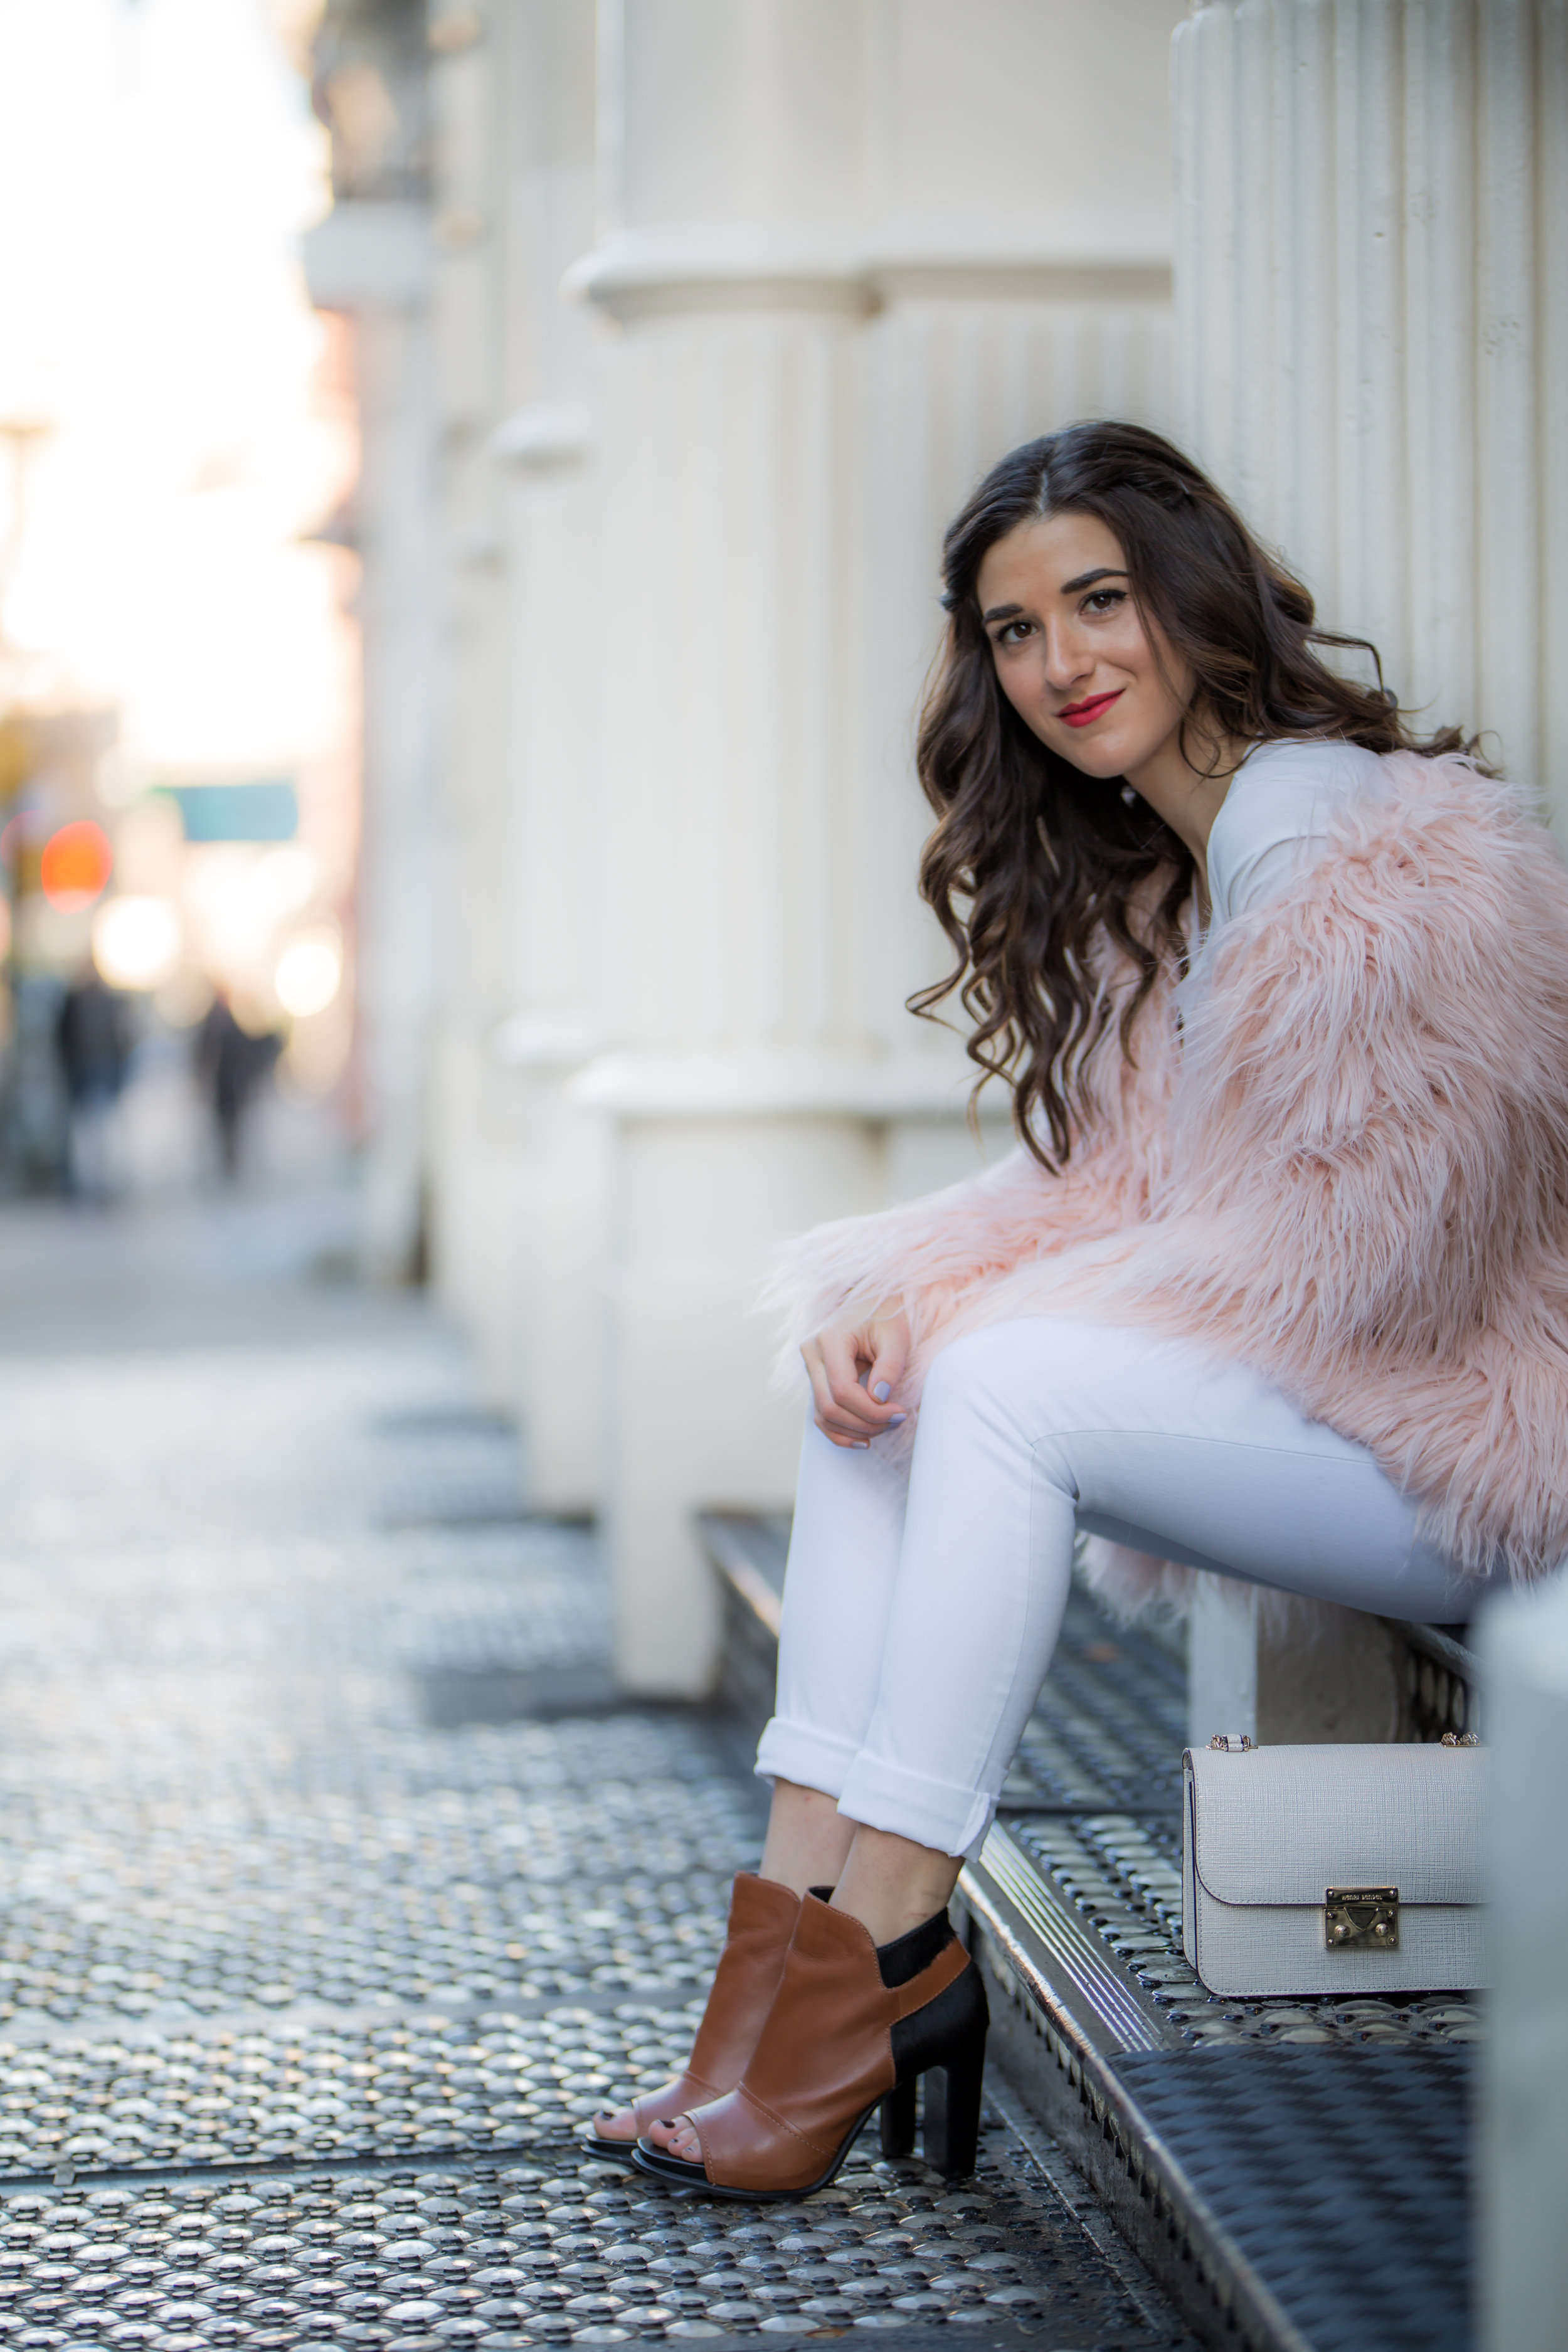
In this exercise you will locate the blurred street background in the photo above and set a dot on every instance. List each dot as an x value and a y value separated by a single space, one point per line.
178 713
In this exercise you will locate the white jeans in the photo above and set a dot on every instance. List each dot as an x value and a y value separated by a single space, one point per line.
920 1612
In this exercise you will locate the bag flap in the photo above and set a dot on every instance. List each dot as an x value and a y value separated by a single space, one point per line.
1281 1824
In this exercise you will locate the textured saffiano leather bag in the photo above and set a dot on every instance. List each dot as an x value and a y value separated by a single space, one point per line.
1333 1869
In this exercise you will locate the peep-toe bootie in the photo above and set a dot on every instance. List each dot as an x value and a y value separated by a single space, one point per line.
762 1920
852 2027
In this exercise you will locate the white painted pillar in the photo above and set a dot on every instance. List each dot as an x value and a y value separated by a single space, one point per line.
549 851
1524 2112
732 831
396 913
550 855
1373 328
1371 310
371 257
518 1192
1285 1670
848 273
469 1140
1019 282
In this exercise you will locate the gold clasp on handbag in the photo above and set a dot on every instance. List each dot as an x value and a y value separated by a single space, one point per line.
1361 1917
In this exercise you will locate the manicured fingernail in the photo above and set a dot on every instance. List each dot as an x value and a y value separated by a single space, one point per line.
897 1420
881 1392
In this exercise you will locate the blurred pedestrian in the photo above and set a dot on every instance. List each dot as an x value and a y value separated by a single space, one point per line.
232 1064
94 1038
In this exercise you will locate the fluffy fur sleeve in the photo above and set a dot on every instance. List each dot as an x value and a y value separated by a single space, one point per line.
925 1257
1370 1140
938 1259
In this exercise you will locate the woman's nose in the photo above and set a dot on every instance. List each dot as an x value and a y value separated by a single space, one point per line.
1068 659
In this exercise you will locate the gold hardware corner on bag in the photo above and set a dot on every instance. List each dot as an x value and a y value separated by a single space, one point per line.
1361 1918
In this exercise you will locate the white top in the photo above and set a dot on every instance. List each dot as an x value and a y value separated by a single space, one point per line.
1274 819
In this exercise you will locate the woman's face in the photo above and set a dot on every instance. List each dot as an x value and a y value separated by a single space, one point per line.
1074 657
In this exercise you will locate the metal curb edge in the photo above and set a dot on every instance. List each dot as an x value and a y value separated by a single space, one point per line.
1158 2208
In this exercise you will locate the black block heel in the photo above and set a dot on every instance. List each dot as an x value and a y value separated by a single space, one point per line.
951 2121
945 2043
898 2121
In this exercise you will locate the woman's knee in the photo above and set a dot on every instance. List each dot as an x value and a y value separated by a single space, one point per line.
995 1365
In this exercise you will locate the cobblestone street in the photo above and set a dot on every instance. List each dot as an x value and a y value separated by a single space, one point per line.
338 1891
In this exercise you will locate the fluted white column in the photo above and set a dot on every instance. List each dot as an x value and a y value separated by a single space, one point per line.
471 1228
550 856
396 948
734 996
1524 2104
517 1192
1371 289
1372 307
371 260
1018 285
1372 311
730 603
542 474
849 271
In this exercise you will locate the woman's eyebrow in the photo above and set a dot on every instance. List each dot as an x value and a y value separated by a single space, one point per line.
1068 588
1087 579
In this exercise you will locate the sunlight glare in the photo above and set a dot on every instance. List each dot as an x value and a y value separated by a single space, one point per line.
309 973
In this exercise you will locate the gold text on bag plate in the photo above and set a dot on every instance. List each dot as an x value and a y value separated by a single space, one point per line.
1361 1918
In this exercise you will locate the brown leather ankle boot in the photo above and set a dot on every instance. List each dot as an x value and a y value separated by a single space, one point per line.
839 2040
762 1920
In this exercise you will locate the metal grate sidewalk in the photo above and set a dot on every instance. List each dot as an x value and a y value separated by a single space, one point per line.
1340 2176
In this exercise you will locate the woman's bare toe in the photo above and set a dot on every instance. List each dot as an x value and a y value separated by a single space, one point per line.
683 2140
623 2125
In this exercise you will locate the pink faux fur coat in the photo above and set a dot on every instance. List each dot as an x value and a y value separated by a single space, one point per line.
1342 1158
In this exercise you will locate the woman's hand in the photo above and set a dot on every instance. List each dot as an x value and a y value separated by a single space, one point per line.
855 1370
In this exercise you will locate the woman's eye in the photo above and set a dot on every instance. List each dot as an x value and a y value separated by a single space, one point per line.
1104 599
1013 632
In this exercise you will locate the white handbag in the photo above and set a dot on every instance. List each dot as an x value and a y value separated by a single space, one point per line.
1333 1869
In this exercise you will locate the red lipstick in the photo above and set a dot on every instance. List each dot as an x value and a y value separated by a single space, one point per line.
1085 713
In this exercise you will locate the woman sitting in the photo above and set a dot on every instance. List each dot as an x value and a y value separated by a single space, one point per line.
1276 1282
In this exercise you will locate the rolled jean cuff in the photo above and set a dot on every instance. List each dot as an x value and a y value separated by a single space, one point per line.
934 1813
812 1759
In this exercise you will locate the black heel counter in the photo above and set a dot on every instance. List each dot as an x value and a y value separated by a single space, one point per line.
957 2020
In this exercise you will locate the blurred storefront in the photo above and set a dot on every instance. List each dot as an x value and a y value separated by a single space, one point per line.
681 328
167 896
178 786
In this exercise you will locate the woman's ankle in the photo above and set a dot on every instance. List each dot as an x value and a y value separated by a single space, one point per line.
892 1886
807 1839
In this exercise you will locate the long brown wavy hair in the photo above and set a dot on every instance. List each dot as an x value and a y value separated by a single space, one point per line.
1032 860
